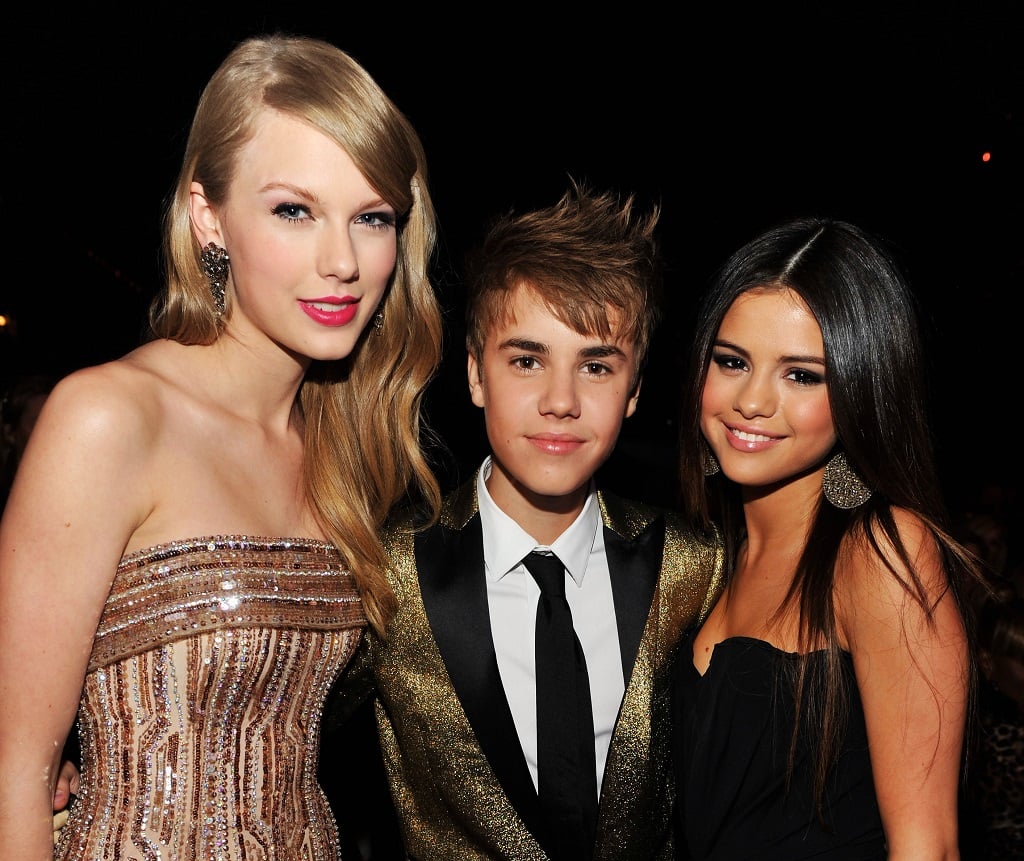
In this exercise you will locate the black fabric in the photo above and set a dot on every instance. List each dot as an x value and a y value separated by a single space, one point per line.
733 732
567 779
634 565
450 566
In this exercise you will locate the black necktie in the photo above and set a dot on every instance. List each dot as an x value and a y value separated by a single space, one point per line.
567 778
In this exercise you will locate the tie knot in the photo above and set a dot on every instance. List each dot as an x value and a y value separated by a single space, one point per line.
549 572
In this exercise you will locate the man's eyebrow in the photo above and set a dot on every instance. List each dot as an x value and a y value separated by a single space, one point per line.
597 351
601 351
524 344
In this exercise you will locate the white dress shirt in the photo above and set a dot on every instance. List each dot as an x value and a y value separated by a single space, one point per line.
512 597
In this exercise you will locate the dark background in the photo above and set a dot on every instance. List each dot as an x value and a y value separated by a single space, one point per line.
731 116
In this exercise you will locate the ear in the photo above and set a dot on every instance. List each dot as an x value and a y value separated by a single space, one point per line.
633 398
205 223
476 382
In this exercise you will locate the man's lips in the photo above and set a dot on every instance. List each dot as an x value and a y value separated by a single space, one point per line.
552 443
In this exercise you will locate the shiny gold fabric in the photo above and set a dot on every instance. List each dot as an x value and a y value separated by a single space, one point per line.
200 715
450 802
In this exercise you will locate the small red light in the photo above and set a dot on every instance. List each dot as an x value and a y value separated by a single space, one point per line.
986 156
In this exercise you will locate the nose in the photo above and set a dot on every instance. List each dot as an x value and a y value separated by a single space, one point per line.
756 397
560 397
338 256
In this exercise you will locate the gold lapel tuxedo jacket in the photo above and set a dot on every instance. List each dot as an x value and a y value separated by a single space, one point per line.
458 777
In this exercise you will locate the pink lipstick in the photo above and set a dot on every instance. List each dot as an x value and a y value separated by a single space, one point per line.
331 310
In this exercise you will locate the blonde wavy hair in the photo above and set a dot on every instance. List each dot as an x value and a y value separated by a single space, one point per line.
363 425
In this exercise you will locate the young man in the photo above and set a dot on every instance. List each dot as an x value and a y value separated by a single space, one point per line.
561 310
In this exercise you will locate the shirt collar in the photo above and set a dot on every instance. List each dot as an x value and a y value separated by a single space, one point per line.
506 542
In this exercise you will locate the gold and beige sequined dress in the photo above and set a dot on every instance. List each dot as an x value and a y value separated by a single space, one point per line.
200 714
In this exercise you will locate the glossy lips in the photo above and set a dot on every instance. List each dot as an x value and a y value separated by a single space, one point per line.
551 443
745 440
332 310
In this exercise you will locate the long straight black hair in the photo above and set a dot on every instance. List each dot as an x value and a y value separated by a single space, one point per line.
875 372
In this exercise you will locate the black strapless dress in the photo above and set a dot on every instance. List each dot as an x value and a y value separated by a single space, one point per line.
732 736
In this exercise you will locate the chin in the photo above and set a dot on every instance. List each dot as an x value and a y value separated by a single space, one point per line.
332 353
567 489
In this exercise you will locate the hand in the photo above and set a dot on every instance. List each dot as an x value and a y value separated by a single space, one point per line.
59 818
67 788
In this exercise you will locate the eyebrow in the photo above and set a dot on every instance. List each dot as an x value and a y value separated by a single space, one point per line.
598 351
278 185
804 360
309 194
796 358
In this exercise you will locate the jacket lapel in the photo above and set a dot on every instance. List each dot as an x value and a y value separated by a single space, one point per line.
450 564
634 566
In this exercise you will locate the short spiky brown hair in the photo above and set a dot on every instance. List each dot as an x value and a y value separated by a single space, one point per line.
585 255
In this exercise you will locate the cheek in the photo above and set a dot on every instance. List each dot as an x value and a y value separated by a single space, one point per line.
711 399
498 413
261 257
377 257
811 416
612 412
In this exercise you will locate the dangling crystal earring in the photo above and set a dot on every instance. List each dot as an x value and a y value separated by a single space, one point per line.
378 322
215 265
708 461
841 485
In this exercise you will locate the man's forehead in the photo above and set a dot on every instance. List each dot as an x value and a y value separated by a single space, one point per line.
590 319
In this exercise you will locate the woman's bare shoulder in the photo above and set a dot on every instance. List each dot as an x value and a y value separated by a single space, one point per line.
876 582
121 399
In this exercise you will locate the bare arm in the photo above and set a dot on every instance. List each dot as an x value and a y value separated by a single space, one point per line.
912 673
68 519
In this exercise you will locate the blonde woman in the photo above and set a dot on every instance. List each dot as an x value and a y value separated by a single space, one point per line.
207 506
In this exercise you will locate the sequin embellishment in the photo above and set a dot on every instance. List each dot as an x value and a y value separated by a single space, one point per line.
200 714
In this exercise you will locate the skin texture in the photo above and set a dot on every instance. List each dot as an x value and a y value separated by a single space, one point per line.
292 240
765 410
554 402
176 441
767 377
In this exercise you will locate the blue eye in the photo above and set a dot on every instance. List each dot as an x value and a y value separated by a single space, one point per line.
377 220
291 211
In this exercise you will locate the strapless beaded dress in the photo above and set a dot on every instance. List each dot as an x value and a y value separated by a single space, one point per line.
200 715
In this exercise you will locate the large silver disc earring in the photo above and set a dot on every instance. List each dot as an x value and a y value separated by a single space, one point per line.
841 484
708 461
215 265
